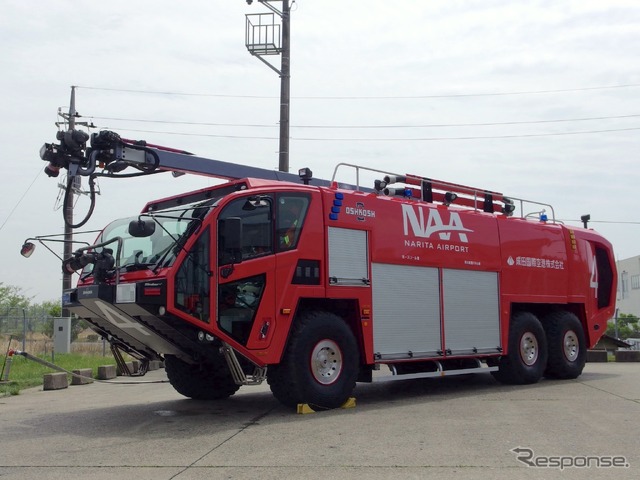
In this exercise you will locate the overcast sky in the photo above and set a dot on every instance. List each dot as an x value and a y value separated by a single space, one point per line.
421 79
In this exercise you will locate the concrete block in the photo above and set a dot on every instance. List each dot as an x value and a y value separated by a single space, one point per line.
85 379
627 355
597 356
106 372
55 381
136 366
129 366
155 365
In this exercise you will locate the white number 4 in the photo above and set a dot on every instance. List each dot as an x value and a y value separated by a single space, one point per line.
594 276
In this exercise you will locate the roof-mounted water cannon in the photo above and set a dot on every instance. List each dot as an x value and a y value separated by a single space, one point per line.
449 198
400 192
585 220
509 206
391 179
382 186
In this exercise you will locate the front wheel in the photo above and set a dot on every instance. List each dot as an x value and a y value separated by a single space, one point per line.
200 382
567 345
320 365
526 359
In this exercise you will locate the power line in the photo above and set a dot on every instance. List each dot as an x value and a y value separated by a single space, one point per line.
205 124
20 200
614 222
492 137
364 97
433 125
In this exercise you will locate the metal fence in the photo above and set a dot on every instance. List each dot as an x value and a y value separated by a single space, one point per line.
30 329
22 324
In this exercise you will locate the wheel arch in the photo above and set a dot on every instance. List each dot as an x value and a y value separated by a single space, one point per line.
347 309
526 356
543 310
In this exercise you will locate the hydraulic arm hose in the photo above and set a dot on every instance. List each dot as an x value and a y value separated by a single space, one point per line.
68 198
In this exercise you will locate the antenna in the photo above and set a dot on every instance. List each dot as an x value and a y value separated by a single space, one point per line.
263 38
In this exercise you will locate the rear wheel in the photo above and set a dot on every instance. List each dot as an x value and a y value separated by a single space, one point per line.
526 359
320 365
567 345
200 382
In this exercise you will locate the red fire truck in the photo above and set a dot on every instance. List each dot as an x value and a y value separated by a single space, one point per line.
314 285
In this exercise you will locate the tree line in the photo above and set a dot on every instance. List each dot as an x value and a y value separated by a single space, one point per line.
18 312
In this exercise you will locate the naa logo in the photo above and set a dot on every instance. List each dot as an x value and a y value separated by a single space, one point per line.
414 218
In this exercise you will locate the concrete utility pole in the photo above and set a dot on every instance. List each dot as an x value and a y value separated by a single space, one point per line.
285 79
262 37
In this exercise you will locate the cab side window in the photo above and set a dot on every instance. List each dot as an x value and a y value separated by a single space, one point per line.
192 292
257 227
291 212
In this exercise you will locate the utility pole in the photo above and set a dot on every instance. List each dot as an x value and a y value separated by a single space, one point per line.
285 78
263 37
68 211
73 184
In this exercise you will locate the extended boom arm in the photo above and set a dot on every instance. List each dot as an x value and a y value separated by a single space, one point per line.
109 155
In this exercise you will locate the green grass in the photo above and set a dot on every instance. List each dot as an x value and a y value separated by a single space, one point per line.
26 373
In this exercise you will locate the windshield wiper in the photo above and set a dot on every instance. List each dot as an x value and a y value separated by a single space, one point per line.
162 258
132 267
180 242
137 264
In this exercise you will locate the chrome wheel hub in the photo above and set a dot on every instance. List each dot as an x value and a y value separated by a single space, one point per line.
529 348
571 346
326 362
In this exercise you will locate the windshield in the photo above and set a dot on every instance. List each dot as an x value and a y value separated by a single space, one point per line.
173 227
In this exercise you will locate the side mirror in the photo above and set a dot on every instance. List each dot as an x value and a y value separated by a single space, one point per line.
27 249
141 228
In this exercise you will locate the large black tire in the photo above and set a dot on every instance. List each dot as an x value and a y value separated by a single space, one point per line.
320 364
526 359
567 345
200 382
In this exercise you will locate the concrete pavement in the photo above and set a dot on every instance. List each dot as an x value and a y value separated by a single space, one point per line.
457 427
